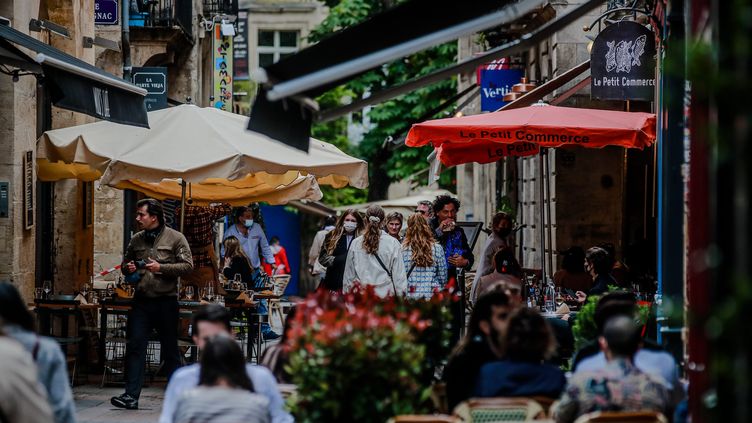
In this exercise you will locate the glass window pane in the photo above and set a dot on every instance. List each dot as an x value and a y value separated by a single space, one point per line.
266 38
283 55
266 59
288 38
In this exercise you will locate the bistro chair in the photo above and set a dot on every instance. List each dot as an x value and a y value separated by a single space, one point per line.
279 284
423 418
622 417
492 410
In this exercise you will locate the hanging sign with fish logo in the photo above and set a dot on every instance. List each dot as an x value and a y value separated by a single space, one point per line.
622 63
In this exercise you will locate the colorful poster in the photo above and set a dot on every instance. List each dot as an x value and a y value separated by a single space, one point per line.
222 61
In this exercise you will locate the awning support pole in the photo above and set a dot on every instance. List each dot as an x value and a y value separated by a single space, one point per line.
542 215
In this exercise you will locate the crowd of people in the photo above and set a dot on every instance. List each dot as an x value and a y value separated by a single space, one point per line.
506 350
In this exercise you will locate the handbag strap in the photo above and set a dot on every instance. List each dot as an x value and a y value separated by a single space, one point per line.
383 266
410 272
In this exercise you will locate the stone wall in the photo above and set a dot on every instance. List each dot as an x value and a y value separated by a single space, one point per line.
17 135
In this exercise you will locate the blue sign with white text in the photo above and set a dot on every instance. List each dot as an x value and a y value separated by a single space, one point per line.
106 12
494 83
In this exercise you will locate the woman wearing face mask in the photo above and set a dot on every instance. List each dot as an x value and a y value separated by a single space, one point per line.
280 255
335 247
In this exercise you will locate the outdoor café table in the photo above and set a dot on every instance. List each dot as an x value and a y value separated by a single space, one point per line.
64 308
247 308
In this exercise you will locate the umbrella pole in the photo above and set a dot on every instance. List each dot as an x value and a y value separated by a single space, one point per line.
182 204
542 219
549 228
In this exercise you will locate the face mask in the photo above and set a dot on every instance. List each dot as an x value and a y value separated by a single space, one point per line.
350 226
276 249
248 223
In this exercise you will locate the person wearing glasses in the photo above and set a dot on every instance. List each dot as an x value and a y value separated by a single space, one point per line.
425 208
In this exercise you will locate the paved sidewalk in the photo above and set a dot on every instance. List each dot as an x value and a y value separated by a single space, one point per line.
93 405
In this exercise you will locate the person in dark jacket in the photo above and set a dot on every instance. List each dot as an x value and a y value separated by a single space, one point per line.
458 253
480 345
333 254
236 262
159 255
521 372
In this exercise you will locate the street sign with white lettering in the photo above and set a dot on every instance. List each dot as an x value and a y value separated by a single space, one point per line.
154 81
106 12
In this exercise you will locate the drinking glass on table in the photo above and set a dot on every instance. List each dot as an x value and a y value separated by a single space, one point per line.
38 293
237 281
47 288
210 293
189 292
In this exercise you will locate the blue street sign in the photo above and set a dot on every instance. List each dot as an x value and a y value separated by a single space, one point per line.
106 12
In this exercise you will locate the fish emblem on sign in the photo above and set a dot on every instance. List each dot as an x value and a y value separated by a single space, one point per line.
623 55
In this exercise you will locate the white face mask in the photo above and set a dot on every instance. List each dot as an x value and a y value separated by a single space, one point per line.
350 226
275 249
248 223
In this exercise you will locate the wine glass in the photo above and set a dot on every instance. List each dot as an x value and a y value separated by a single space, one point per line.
47 288
210 293
237 281
189 292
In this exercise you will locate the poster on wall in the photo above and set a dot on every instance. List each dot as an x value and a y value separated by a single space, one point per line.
240 48
496 79
222 64
622 63
28 199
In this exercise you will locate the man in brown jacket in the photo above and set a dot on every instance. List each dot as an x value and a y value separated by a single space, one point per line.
158 255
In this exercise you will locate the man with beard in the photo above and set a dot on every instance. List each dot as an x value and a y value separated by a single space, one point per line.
501 228
156 257
481 345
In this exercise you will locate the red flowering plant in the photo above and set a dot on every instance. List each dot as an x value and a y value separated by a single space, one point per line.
359 357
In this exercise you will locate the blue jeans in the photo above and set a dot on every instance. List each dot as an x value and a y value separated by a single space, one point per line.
263 310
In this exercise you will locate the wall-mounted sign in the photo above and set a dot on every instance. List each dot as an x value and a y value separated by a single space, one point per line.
154 81
28 199
222 61
496 79
240 48
106 12
622 63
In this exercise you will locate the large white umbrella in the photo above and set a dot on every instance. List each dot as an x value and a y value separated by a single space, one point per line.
192 144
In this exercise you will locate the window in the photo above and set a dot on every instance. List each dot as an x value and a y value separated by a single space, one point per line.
275 45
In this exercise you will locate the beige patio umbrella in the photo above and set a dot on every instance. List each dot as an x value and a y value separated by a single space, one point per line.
201 146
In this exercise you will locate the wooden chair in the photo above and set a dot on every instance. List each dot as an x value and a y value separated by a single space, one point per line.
622 417
492 410
423 418
279 284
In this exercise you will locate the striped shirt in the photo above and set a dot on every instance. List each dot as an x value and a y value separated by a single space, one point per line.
205 404
424 280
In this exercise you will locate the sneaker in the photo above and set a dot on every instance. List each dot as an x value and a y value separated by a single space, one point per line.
125 401
271 335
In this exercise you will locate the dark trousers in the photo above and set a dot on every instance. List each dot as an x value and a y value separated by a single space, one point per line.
150 313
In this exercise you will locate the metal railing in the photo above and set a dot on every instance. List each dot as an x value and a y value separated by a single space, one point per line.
163 14
220 7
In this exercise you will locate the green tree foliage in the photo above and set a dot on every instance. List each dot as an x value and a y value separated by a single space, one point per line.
391 118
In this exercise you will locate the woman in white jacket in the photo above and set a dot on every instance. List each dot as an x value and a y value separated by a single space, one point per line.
375 258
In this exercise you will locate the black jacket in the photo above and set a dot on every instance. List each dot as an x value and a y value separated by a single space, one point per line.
334 263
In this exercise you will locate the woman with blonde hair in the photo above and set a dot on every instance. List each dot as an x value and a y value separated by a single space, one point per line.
423 258
375 258
334 249
236 262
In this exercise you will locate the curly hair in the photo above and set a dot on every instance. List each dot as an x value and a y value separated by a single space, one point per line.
443 200
374 221
334 236
419 239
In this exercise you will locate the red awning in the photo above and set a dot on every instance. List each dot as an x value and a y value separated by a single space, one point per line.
485 138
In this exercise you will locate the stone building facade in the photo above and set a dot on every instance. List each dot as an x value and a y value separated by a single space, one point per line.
590 199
